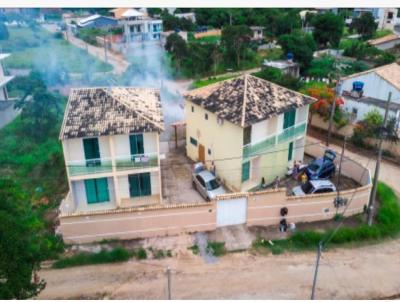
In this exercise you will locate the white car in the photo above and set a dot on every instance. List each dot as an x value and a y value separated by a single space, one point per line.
314 187
206 183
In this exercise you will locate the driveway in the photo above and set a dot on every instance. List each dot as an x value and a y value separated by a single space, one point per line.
367 272
389 173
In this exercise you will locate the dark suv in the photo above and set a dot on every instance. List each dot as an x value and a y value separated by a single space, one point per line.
322 168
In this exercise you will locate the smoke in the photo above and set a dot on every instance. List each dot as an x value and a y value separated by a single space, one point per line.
149 68
205 253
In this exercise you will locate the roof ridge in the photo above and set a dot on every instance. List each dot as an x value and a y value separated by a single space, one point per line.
244 101
138 111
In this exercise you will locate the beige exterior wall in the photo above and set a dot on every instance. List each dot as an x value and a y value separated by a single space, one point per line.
224 141
214 32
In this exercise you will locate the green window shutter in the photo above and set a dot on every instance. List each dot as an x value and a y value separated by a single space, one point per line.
91 148
137 144
134 185
245 171
145 184
90 187
102 190
290 153
289 119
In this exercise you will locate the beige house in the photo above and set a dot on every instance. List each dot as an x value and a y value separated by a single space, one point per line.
248 128
110 139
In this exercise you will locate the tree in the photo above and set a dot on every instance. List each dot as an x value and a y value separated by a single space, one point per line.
21 244
276 76
301 45
323 67
200 59
177 47
328 28
235 39
4 35
364 25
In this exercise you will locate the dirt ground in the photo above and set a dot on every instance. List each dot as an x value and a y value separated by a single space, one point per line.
367 272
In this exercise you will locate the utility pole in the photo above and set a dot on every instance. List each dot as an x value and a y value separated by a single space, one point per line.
168 283
333 108
319 252
340 166
378 165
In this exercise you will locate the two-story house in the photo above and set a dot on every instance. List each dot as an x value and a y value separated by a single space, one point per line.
138 26
248 128
110 139
369 90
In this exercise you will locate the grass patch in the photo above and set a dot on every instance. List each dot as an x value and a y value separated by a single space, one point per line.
382 33
387 225
118 254
194 249
40 49
209 81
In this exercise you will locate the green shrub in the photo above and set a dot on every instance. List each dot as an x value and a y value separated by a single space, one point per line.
216 248
141 254
118 254
194 249
276 249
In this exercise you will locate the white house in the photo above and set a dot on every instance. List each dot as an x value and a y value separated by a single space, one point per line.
7 110
376 84
138 26
258 32
386 42
110 139
385 17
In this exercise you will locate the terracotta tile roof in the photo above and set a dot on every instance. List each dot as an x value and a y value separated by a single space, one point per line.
104 111
246 100
389 72
384 39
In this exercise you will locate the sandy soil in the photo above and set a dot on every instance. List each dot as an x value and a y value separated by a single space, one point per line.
359 273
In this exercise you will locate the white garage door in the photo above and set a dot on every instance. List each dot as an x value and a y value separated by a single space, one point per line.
231 211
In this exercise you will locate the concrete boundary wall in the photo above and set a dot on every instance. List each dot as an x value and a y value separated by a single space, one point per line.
263 209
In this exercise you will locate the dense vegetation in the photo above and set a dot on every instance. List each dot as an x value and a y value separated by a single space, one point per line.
32 182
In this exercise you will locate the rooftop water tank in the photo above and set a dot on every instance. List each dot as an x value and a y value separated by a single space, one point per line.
358 86
289 56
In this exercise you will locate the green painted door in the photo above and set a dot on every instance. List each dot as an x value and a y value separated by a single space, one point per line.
139 184
97 190
92 151
289 119
136 143
245 171
290 153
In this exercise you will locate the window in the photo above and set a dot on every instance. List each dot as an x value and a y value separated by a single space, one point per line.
209 151
136 144
139 184
91 150
290 151
206 116
289 119
201 181
245 171
246 136
192 108
96 190
193 141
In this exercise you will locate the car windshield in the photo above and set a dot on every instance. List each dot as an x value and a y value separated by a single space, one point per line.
313 167
212 185
307 187
198 169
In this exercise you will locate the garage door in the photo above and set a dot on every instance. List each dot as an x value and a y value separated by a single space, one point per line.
231 211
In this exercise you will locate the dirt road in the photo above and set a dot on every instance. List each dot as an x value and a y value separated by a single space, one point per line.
359 273
389 173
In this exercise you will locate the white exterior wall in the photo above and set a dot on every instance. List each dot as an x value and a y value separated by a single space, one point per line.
73 149
374 86
121 145
123 182
79 192
259 131
301 114
388 45
363 109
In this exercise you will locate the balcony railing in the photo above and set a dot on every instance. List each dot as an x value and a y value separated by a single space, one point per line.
90 166
269 142
137 161
104 165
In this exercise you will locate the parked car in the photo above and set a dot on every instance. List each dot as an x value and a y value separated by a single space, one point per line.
323 167
205 182
314 187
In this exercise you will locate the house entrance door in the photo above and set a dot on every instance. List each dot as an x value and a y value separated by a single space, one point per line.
202 153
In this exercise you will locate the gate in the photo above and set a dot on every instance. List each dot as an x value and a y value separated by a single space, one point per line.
231 211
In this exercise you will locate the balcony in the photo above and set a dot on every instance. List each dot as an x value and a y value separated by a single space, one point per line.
91 166
137 161
270 142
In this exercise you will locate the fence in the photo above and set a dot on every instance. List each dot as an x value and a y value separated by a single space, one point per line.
252 208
